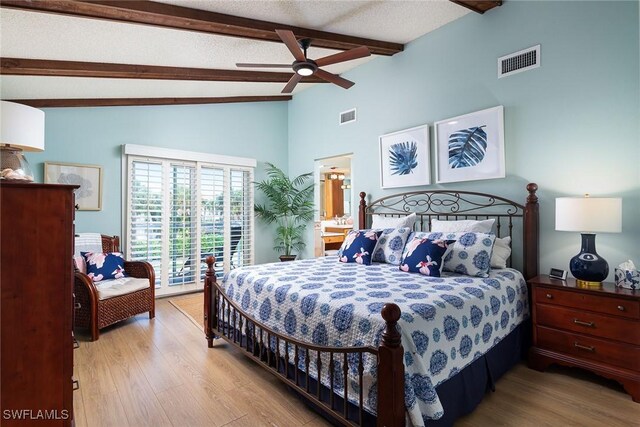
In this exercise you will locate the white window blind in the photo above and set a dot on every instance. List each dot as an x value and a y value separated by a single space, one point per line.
182 223
146 213
241 219
179 212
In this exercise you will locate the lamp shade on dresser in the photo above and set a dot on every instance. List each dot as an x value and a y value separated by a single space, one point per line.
36 286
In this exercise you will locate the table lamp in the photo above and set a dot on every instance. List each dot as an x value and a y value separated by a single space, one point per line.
589 215
21 128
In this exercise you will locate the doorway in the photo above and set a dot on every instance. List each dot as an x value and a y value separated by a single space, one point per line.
334 201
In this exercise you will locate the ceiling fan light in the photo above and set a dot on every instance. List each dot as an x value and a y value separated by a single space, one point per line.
305 68
304 71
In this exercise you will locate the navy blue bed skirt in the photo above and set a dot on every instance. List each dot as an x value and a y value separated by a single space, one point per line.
461 393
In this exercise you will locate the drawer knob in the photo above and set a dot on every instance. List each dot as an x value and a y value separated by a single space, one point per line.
549 296
584 347
581 323
621 308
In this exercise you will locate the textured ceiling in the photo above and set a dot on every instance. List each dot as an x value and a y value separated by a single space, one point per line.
36 35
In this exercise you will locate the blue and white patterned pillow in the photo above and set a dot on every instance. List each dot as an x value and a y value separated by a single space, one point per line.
390 245
104 266
358 246
471 253
425 256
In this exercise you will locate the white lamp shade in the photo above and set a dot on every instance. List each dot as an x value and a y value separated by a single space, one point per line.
21 126
589 214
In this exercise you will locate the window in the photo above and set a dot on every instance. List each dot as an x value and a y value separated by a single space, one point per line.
182 207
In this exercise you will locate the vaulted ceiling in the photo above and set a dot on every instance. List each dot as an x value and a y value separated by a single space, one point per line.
109 52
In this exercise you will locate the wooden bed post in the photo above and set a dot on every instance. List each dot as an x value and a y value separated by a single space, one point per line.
362 207
209 310
391 406
530 225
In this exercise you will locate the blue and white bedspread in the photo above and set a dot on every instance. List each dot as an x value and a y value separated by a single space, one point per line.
446 322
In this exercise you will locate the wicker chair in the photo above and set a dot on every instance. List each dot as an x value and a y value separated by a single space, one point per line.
95 314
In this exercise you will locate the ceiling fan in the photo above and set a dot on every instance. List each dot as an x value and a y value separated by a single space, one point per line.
303 66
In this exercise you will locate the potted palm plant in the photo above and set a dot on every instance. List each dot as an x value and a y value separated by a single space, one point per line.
290 205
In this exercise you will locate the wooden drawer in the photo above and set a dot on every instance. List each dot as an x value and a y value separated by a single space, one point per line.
333 239
342 230
588 323
584 347
600 304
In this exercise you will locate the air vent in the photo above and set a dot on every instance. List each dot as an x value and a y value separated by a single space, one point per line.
347 116
517 62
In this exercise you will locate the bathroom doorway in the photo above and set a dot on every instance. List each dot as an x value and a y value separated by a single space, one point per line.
334 201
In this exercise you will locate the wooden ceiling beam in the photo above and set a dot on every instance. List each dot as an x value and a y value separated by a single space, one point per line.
184 18
120 102
478 6
47 67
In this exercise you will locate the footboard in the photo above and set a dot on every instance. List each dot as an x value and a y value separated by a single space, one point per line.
272 350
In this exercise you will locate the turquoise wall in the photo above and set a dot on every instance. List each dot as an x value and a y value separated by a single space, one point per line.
95 136
571 126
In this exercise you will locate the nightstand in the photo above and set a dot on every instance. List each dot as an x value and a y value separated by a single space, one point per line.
592 328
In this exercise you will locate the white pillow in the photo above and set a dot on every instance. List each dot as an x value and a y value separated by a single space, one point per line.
381 222
501 252
483 226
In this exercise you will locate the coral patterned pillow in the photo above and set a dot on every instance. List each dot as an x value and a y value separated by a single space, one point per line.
425 256
358 246
104 266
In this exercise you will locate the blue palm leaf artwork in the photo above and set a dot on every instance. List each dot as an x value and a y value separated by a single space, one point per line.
403 158
467 147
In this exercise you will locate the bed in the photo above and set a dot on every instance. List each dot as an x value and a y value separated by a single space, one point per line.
373 345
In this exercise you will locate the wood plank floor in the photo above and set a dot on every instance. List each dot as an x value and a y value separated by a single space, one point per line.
160 373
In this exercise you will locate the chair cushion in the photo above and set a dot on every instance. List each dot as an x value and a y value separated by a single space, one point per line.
122 286
104 266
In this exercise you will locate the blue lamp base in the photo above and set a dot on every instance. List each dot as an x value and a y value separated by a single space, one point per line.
589 268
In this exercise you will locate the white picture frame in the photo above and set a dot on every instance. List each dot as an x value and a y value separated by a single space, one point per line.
88 177
414 146
453 163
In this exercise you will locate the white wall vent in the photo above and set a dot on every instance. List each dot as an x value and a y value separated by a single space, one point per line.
517 62
347 116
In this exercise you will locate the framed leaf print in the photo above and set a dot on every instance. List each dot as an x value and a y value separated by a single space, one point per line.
470 147
88 177
404 158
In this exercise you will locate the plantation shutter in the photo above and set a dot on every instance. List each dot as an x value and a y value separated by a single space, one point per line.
182 224
241 206
146 213
181 210
212 217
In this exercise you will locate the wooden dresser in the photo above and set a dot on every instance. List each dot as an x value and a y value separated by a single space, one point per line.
592 328
36 276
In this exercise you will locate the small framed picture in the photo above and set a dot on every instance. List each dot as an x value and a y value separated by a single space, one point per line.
404 158
470 147
88 177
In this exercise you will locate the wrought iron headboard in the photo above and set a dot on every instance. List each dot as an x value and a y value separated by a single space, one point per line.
520 221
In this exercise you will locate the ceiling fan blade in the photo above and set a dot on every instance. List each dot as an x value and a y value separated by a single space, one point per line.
251 65
293 81
290 40
333 78
348 55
